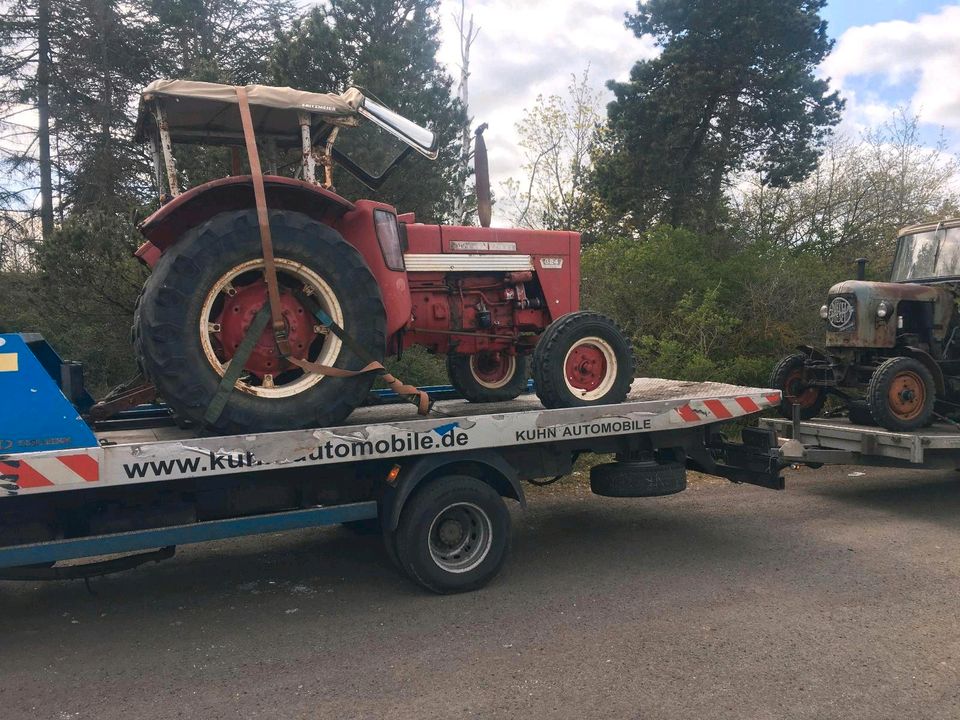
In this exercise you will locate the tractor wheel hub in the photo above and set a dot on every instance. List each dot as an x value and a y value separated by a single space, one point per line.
238 313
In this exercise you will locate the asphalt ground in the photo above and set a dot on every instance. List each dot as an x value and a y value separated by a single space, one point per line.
837 598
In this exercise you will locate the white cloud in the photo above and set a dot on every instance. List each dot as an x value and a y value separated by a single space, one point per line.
531 47
920 57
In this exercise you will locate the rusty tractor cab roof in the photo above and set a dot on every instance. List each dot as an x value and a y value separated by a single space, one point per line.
928 253
374 139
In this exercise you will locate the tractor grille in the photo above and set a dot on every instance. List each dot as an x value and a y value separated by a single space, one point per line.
842 313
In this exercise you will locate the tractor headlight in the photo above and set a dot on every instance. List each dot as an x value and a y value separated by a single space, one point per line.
884 309
824 311
388 235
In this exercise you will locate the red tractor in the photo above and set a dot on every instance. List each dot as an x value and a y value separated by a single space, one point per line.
344 283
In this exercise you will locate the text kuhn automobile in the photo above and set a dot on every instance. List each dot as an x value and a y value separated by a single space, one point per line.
895 341
343 282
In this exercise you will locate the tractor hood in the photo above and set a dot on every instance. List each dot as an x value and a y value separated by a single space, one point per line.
862 314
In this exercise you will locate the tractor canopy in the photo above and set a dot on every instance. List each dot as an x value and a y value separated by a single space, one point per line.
928 253
374 140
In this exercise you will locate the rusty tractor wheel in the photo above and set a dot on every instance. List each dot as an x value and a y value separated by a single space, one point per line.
901 394
582 359
787 377
203 295
488 376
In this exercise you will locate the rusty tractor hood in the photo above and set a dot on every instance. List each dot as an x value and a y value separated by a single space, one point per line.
852 311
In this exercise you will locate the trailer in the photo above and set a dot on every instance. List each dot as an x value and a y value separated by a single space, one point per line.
80 497
837 441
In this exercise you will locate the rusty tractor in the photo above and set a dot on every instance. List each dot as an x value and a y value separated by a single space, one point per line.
273 301
891 347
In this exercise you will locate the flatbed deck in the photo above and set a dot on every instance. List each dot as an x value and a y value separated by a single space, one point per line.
837 440
378 432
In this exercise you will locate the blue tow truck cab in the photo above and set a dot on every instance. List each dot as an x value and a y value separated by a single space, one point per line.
75 485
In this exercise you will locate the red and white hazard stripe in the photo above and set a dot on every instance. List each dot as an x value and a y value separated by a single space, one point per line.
46 471
725 408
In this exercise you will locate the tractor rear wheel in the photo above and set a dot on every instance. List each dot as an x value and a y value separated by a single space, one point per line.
787 377
901 394
488 376
206 290
582 359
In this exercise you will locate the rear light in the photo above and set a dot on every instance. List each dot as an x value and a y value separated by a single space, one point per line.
388 235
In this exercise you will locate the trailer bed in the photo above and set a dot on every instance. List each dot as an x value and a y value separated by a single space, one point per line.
838 441
387 431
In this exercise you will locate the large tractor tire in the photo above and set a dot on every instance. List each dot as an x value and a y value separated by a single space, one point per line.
901 394
488 376
205 292
787 377
582 359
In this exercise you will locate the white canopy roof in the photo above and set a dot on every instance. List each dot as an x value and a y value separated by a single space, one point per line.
197 111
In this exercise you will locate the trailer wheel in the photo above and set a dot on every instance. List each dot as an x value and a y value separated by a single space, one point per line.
901 394
488 376
787 377
638 478
582 359
454 534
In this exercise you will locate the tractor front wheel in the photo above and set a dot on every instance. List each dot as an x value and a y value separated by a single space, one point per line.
787 377
488 376
204 293
582 359
901 394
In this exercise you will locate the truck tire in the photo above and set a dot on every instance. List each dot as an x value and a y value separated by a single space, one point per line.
203 294
901 394
858 412
488 376
638 479
582 359
787 377
454 534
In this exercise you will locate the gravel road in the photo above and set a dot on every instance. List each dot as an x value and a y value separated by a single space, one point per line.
837 598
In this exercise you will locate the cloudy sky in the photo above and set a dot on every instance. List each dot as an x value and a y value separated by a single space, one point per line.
887 53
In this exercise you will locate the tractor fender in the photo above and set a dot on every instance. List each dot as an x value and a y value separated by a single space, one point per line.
930 364
482 464
164 227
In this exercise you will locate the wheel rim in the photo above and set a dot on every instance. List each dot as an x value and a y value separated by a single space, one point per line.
460 537
907 395
797 393
230 306
493 370
590 368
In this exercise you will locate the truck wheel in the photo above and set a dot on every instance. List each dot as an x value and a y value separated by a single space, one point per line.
787 377
203 295
488 376
901 394
638 479
582 359
454 534
858 412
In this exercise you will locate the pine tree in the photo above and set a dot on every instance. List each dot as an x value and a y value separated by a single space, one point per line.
388 48
733 89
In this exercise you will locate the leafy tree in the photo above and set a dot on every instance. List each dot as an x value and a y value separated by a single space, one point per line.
860 194
556 137
389 48
733 88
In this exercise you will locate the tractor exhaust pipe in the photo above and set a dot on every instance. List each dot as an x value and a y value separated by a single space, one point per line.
861 268
481 171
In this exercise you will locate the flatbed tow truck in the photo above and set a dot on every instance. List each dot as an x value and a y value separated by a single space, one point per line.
128 490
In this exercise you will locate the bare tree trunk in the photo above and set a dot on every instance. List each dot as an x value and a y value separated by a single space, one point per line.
467 36
43 111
